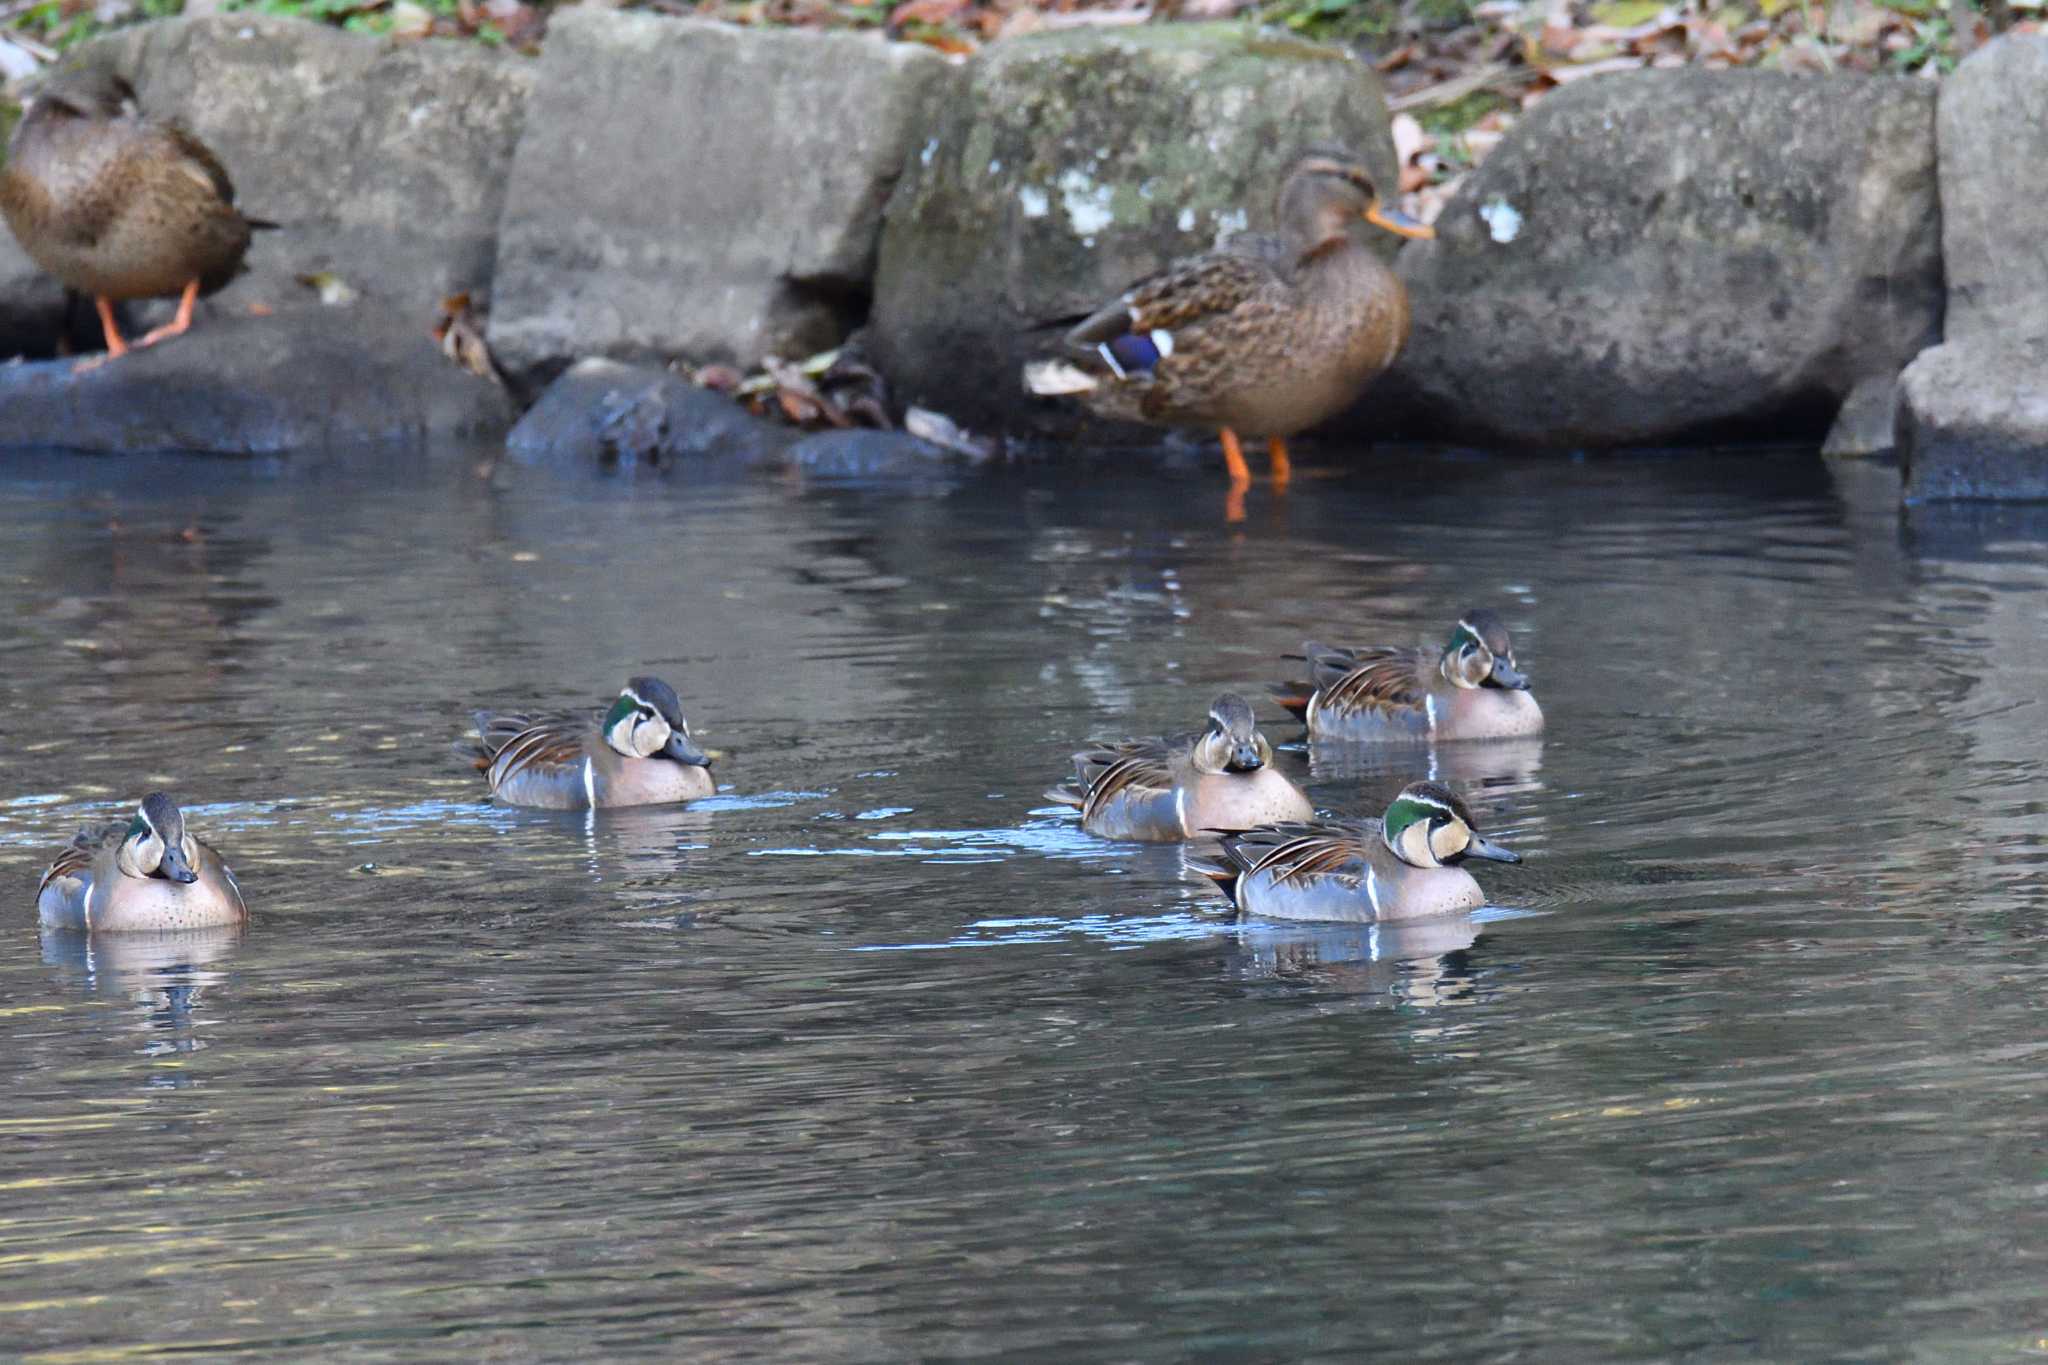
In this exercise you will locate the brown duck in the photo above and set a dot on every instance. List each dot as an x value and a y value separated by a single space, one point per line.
1265 336
119 205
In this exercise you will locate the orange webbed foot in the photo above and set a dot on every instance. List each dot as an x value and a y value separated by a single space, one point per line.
177 325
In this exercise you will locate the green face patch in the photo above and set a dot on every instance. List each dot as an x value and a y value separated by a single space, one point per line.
1406 811
622 709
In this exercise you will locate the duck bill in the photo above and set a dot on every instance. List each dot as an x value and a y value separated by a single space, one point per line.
1489 850
1245 759
1397 222
175 867
681 750
1507 675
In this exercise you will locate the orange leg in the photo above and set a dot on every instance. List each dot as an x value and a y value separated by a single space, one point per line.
1233 460
115 346
177 325
1283 468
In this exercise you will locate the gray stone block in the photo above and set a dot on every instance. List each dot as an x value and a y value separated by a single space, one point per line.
1993 132
693 189
1973 421
1662 256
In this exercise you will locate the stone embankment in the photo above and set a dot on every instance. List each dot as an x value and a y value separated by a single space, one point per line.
1654 258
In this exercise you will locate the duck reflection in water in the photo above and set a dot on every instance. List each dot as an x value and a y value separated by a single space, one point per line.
166 974
1423 963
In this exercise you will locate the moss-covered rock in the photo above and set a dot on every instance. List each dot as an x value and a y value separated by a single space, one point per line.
1060 168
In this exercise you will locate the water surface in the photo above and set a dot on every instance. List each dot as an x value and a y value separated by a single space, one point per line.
876 1056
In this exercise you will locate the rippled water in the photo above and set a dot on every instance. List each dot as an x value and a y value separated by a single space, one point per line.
876 1056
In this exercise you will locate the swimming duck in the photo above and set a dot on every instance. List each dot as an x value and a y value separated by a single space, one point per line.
1470 689
145 872
119 205
1406 868
636 754
1265 336
1162 790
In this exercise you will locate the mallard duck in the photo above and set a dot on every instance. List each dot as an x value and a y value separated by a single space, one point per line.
118 205
1161 790
145 872
1406 867
638 753
1265 336
1470 689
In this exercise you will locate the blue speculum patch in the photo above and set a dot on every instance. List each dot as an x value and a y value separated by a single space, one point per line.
1134 352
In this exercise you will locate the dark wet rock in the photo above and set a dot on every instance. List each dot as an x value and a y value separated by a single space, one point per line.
1864 425
605 412
687 188
385 163
1670 255
1973 420
861 455
242 385
1994 179
1063 167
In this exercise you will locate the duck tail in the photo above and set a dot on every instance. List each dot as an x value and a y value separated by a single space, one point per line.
1066 795
1224 874
1293 697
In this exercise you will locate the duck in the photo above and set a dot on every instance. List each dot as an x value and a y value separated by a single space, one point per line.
143 873
1406 868
1469 689
638 753
1267 335
1165 790
119 205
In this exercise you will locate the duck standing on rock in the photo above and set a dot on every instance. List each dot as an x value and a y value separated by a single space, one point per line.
119 205
1265 336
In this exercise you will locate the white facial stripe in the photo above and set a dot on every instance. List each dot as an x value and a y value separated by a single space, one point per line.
639 700
142 813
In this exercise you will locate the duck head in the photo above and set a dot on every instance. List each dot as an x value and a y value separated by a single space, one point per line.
1427 826
156 844
1480 654
647 722
1232 743
1327 190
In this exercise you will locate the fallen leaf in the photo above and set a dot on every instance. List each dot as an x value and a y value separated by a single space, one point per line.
334 291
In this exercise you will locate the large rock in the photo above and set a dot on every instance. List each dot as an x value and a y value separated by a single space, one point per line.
385 163
1671 255
692 189
1994 180
241 385
1973 420
1068 165
1973 414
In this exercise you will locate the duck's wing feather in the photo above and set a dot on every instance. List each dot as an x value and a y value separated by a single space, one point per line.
1109 768
1358 681
511 742
83 848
